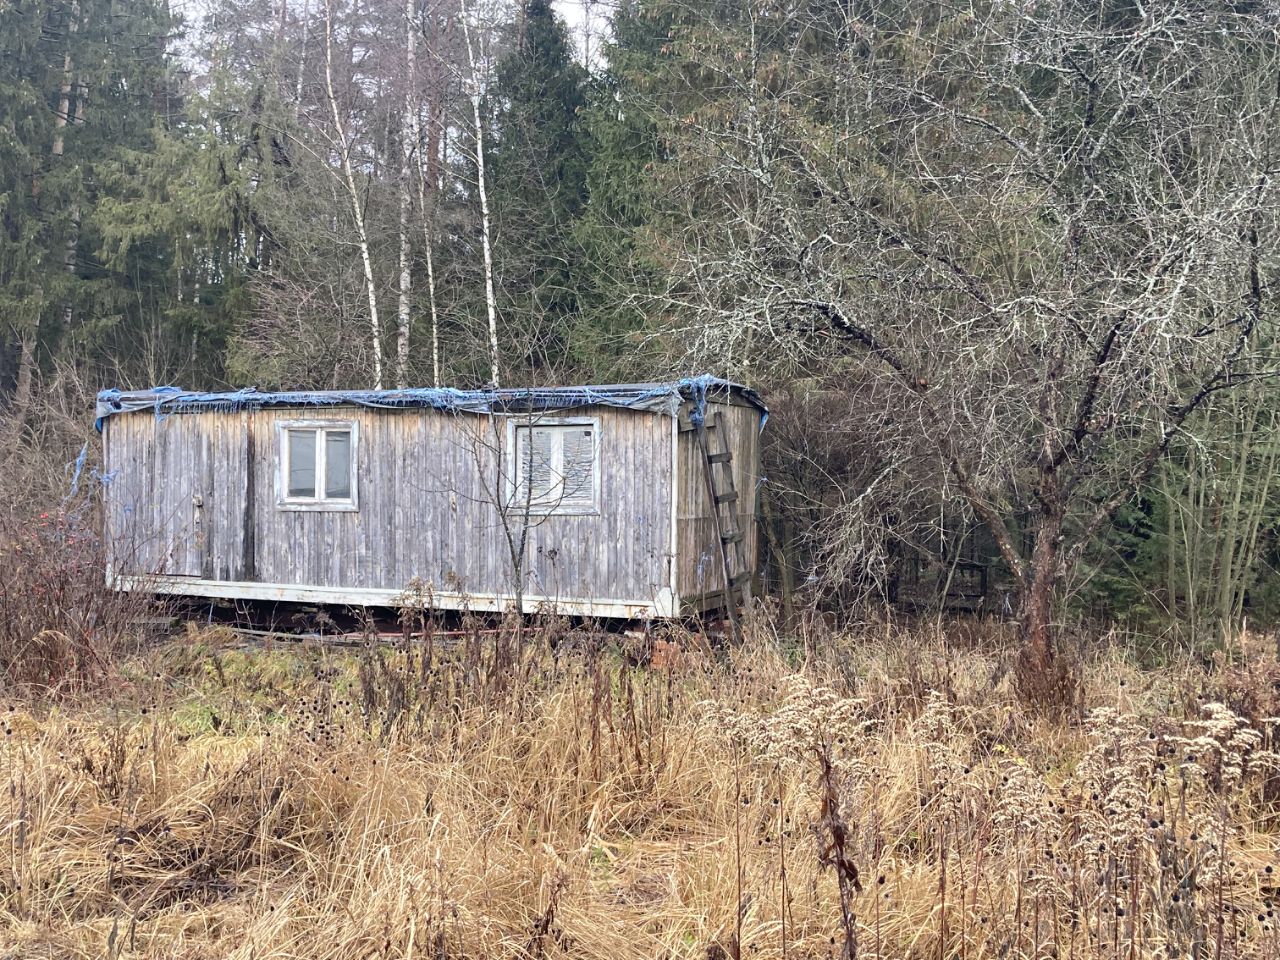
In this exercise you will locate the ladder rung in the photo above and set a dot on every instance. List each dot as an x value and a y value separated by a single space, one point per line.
738 579
724 456
729 497
734 537
687 425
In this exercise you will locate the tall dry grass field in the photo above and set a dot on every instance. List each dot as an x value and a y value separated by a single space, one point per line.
876 795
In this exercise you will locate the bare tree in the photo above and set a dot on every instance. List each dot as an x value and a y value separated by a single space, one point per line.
408 144
355 196
478 82
1047 234
430 148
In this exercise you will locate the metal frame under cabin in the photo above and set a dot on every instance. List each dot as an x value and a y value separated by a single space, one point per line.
193 508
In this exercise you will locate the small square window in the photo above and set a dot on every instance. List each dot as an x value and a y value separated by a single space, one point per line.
317 466
556 467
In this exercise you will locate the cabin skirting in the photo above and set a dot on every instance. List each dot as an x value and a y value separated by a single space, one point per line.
660 606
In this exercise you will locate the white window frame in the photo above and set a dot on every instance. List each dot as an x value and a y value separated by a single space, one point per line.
319 502
515 500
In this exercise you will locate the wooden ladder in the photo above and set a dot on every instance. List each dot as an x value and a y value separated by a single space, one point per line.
723 497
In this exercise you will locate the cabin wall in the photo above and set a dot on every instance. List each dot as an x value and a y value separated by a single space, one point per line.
699 574
194 495
175 494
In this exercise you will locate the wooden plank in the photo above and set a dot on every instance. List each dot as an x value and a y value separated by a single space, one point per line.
426 481
352 596
697 542
248 536
712 420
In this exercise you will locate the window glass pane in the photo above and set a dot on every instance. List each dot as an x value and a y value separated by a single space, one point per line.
579 464
302 463
556 465
535 446
337 464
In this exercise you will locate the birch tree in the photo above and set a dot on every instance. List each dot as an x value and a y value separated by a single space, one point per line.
354 195
477 83
428 87
408 144
428 189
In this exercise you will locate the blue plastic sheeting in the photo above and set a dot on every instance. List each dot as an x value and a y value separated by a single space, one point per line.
654 397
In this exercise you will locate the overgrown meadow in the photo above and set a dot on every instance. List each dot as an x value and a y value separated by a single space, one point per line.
869 791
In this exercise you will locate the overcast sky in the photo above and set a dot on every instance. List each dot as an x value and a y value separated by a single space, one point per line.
587 20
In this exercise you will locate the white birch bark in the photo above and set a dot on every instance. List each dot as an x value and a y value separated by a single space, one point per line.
408 142
428 238
357 210
403 312
428 212
490 298
302 59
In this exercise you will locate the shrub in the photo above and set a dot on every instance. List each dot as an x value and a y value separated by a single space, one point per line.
60 623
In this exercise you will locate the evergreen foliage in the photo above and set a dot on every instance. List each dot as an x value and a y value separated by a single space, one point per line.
538 189
83 85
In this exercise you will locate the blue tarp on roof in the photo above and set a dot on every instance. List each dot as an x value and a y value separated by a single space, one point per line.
654 397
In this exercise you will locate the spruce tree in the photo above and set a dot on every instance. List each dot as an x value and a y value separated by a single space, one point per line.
617 269
538 185
83 86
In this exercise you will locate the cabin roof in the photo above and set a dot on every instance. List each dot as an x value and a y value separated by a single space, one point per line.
663 398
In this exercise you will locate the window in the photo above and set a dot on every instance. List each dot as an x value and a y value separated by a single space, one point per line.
318 465
556 467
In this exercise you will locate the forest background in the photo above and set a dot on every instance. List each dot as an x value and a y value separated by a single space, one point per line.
1004 272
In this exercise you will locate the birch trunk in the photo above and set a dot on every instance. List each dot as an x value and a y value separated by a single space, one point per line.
302 59
406 279
357 210
426 160
490 298
428 238
408 143
428 242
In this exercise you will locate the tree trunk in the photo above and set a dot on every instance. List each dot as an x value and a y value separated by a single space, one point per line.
778 549
302 59
426 156
428 240
490 298
23 389
403 312
357 207
1045 678
407 144
68 117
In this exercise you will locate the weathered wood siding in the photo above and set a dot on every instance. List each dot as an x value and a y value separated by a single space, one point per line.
195 495
699 575
175 494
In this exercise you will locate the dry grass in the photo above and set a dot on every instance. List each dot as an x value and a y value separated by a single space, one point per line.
226 804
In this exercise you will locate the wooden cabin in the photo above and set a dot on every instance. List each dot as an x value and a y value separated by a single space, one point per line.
633 500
